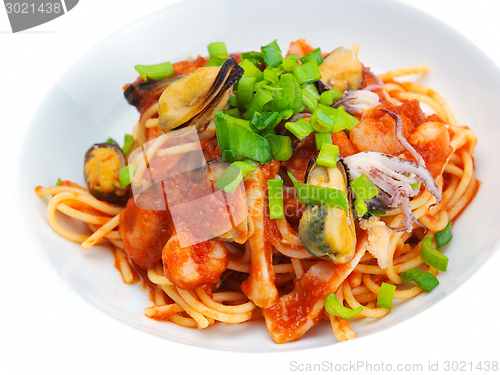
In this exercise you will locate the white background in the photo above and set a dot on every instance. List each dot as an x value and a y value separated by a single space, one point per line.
44 329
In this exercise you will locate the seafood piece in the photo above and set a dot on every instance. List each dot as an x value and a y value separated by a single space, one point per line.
393 176
193 266
297 312
378 238
260 287
145 227
342 70
358 101
329 231
193 99
103 162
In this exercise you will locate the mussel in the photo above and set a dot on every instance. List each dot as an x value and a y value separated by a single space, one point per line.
342 70
102 165
193 99
329 232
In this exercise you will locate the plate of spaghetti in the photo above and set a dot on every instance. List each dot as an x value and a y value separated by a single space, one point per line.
276 191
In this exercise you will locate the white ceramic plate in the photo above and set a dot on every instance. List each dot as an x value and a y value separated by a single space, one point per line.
87 106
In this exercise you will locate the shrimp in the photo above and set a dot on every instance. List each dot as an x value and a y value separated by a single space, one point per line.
299 47
432 141
193 266
260 287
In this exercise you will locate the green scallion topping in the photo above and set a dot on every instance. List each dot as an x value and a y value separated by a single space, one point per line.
311 87
426 280
307 73
261 98
309 100
433 257
228 156
327 97
218 49
110 140
275 194
443 237
386 295
255 57
328 155
319 195
271 75
233 112
363 188
416 185
281 146
333 307
321 138
250 69
214 61
321 122
127 144
59 182
300 128
127 174
290 62
313 56
245 90
360 207
272 54
232 176
155 72
376 212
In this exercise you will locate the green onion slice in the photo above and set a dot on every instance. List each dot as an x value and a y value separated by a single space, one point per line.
444 236
321 122
313 56
328 155
272 54
214 61
426 280
250 69
416 185
307 73
333 307
300 128
319 195
309 101
59 182
363 188
311 87
433 257
255 57
376 212
232 176
218 49
110 140
327 97
386 295
127 144
234 112
127 174
281 146
275 194
245 90
360 207
322 138
290 62
155 72
228 156
261 97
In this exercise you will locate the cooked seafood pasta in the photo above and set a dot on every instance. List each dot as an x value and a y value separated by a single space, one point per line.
285 190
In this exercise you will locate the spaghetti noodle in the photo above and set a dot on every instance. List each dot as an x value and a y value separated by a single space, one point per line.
273 261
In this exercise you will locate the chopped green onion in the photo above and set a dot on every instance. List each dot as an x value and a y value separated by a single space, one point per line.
127 174
307 73
311 87
360 207
250 69
228 156
300 128
313 56
234 134
348 121
286 114
272 54
364 188
233 100
155 72
333 307
321 122
214 61
386 295
290 96
234 112
264 120
59 182
245 90
327 97
426 280
433 257
328 155
232 176
281 146
309 101
110 140
376 212
127 144
257 103
275 194
218 49
322 138
444 236
255 57
290 62
416 185
319 195
271 75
